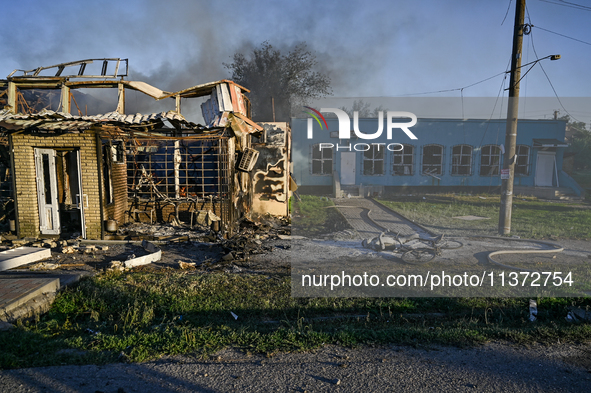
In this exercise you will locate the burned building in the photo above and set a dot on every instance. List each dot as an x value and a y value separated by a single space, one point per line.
72 174
271 172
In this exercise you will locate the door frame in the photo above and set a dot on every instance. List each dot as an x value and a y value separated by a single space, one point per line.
49 214
347 169
550 175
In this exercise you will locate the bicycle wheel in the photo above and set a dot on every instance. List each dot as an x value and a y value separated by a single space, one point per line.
418 256
448 244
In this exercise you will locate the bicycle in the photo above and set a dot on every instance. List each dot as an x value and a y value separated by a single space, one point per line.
411 254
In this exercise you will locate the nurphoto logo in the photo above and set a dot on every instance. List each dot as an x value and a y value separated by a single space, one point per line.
345 128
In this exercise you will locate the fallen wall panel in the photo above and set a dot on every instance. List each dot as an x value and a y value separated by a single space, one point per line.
10 259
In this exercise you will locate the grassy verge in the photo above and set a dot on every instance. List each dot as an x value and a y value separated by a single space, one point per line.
531 218
583 178
313 216
137 316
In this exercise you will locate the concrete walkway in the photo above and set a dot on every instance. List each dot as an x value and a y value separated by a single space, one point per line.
26 294
363 214
21 297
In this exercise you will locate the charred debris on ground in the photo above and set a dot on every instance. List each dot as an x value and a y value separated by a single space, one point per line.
181 247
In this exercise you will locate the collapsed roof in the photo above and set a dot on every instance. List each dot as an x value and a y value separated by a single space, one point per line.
226 106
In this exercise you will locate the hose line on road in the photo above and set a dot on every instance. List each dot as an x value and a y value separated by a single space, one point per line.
555 248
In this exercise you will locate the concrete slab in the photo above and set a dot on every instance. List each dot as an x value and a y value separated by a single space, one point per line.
18 292
155 255
66 278
21 256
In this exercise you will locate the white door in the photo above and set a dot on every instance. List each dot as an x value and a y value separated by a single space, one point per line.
82 198
545 168
348 168
49 217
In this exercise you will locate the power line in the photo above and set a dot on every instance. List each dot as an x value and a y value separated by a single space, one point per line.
578 5
562 35
506 13
501 89
456 89
568 4
549 81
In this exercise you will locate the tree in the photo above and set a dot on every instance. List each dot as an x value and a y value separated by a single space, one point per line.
363 109
579 143
287 80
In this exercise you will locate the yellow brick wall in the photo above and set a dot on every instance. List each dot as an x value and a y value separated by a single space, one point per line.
116 210
25 178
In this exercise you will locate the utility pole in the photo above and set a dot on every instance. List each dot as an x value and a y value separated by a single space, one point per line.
511 132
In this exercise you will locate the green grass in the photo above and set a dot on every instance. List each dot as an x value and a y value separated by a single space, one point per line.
313 215
583 178
530 218
138 316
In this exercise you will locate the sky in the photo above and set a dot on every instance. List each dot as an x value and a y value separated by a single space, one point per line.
381 48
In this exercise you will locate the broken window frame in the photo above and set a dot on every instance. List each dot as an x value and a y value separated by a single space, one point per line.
373 160
322 159
117 152
522 164
432 161
113 153
107 173
173 169
403 161
461 160
490 160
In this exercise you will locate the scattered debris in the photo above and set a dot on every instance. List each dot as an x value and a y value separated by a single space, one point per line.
116 265
44 266
533 310
577 314
187 265
68 250
234 315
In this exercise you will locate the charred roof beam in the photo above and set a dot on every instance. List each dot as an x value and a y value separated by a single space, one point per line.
34 73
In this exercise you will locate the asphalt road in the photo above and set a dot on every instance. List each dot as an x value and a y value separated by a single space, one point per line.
494 367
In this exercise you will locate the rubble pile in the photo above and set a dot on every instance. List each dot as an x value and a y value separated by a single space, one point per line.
251 236
181 247
162 232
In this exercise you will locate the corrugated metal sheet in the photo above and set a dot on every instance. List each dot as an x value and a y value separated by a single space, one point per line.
50 120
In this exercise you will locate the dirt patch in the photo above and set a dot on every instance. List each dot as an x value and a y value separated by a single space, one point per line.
581 358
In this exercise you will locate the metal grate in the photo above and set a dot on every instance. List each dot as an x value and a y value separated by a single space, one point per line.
188 169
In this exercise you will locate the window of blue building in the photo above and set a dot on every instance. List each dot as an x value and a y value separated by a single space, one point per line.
432 160
321 160
522 164
403 161
373 160
490 160
461 160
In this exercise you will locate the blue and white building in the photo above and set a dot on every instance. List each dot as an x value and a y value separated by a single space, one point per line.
449 155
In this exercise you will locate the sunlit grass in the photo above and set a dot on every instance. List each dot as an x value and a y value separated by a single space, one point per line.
530 218
137 316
